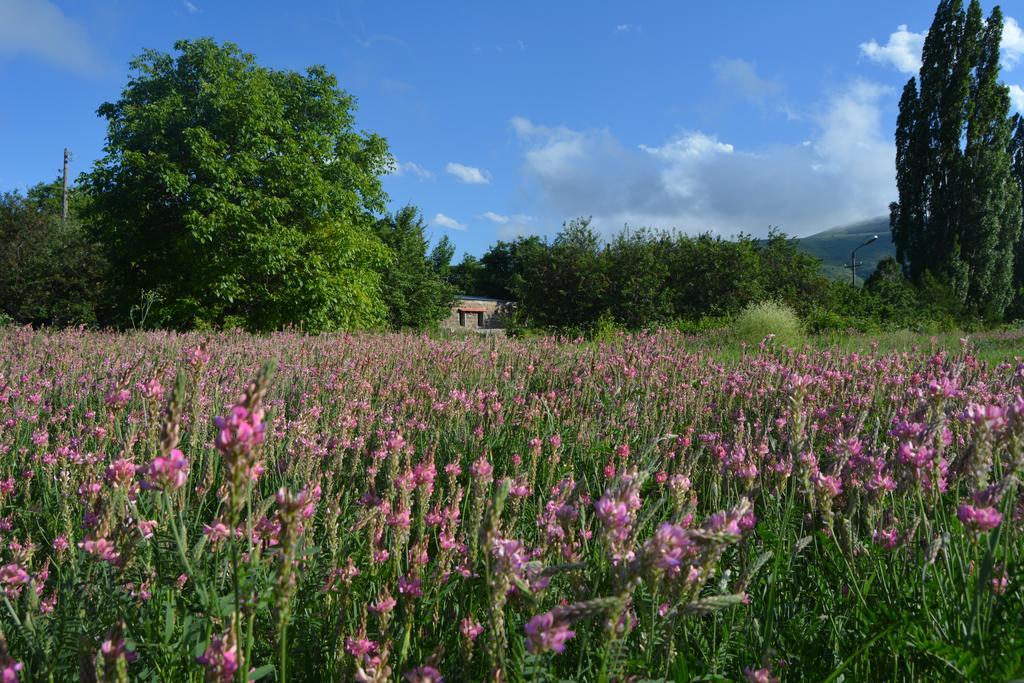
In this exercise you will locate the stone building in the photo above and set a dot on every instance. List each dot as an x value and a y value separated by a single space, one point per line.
479 314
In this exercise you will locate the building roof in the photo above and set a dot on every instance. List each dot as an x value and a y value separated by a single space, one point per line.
470 297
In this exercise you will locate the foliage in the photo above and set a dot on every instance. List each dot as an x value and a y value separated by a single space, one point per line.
51 272
565 284
240 194
413 285
643 279
388 507
959 212
467 276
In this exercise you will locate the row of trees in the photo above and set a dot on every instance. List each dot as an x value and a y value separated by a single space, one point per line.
960 165
646 278
229 194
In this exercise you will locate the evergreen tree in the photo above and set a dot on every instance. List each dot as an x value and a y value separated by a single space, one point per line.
415 294
958 211
1017 161
441 258
990 210
467 276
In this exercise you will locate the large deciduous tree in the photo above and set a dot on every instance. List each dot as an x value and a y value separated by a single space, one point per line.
959 211
240 195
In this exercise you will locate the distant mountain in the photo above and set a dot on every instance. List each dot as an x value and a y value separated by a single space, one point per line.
833 247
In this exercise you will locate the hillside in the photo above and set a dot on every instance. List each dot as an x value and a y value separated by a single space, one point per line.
833 247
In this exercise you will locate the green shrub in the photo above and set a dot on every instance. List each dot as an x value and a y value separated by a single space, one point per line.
757 321
605 329
703 324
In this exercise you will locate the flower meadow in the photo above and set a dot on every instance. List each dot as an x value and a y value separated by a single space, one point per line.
186 507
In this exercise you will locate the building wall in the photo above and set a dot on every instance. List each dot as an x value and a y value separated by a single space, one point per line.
495 314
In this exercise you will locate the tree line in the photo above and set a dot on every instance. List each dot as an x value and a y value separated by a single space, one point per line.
649 278
228 195
234 195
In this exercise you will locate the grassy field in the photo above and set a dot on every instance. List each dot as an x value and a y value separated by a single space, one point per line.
401 507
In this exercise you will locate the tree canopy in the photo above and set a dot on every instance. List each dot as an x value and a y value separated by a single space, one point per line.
415 291
958 217
239 194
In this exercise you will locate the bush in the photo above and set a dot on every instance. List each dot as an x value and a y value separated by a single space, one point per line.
707 323
757 321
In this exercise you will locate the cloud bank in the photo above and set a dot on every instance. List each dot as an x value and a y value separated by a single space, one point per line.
40 29
695 182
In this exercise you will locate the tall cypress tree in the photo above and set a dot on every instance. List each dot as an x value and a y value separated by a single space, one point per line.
907 216
952 163
1017 165
989 199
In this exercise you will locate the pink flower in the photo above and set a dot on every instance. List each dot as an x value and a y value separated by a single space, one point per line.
360 647
470 629
979 518
121 472
669 546
991 417
240 431
423 674
220 659
13 578
546 632
9 669
60 544
411 586
216 532
114 647
167 473
828 485
763 675
102 549
887 538
482 470
384 604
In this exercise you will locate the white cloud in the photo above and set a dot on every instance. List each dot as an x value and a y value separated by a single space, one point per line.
628 28
902 52
1012 47
468 174
518 225
513 226
1017 98
695 182
192 9
39 28
740 77
495 217
412 168
448 222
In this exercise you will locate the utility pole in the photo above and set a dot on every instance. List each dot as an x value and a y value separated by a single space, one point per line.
853 261
64 204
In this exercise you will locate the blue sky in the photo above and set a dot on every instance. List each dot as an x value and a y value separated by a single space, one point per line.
509 118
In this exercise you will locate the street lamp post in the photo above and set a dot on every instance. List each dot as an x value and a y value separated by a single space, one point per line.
853 261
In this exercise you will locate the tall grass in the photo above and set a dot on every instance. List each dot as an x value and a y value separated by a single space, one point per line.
768 319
